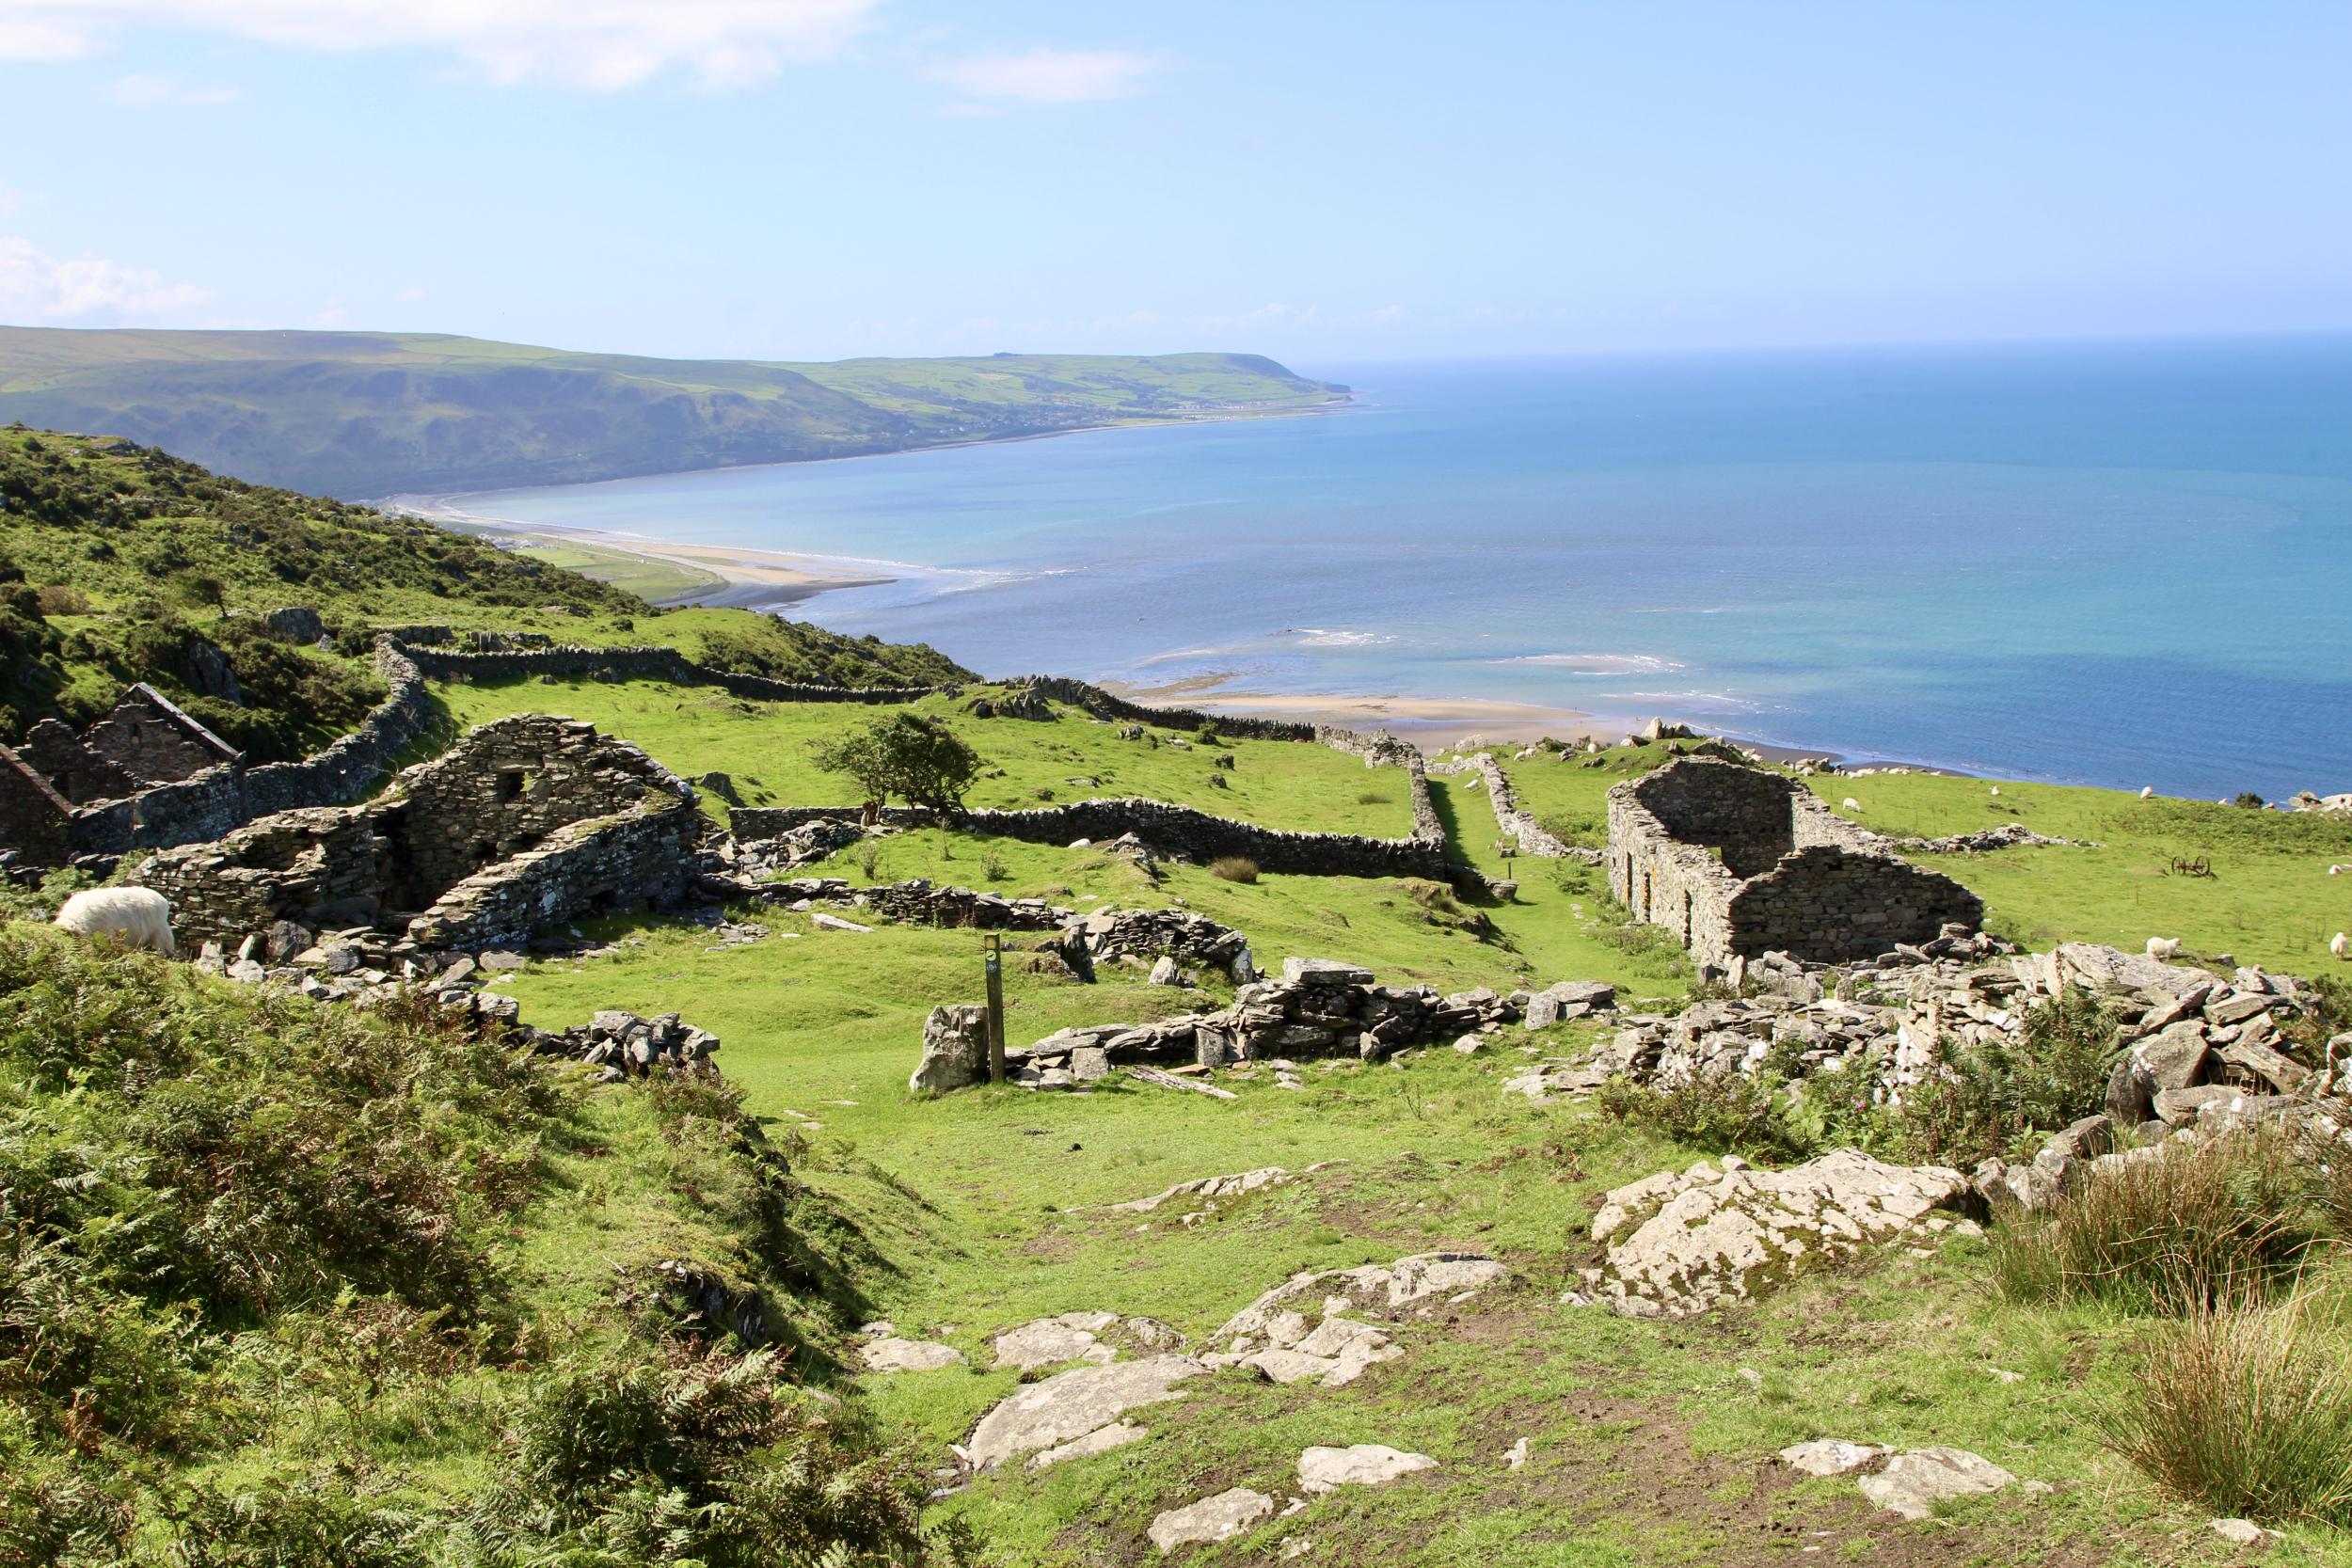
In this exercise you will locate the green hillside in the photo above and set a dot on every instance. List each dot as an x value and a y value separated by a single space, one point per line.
120 563
361 413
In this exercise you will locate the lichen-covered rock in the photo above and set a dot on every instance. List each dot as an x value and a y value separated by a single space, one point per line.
1321 1469
1079 1336
1680 1243
1218 1518
1913 1483
891 1354
955 1050
1074 1403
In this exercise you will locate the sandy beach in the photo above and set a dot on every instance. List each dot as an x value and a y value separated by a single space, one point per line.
1426 720
720 575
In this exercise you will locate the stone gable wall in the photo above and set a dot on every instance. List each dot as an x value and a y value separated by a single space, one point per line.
148 736
78 773
32 813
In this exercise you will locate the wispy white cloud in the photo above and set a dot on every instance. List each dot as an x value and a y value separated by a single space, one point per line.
600 44
409 296
86 290
51 34
1049 75
142 92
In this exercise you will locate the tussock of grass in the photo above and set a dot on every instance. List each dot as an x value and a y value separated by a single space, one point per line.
2201 1225
1234 868
2247 1408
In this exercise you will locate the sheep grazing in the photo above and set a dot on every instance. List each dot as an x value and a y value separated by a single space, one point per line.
2162 947
2147 791
1996 789
2341 946
139 915
1853 804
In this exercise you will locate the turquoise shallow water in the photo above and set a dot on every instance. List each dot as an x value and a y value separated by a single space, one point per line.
2115 564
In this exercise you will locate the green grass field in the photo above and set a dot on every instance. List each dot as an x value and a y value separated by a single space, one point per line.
1648 1440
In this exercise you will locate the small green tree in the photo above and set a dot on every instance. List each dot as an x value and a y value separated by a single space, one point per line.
918 759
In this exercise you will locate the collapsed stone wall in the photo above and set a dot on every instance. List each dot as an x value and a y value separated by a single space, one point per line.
1738 861
524 823
222 797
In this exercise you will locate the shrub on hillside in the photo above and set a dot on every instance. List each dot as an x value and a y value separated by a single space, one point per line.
2247 1408
1986 1100
915 757
1234 868
1720 1113
2202 1224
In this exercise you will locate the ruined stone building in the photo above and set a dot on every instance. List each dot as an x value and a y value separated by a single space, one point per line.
524 823
1739 860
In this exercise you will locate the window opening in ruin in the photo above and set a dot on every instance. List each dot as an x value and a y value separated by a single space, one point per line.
512 782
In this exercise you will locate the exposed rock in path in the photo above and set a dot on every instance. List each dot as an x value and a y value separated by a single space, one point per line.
1218 1518
1275 1336
1211 1187
1831 1456
1359 1464
1914 1483
1079 1336
1074 1404
894 1354
1102 1440
1679 1244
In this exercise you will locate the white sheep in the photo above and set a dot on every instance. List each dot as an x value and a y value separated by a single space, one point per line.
1996 789
2341 946
2147 791
2162 947
1853 804
139 915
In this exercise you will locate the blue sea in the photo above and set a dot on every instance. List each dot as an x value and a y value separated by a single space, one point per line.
2117 563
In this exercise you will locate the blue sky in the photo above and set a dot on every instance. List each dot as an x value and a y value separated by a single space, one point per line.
815 179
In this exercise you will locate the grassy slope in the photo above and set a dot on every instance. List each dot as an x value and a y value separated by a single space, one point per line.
1646 1439
365 414
166 554
325 1264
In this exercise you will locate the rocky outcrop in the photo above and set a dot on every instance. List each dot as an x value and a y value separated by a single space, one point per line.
1330 1326
1073 1404
1678 1243
1357 1465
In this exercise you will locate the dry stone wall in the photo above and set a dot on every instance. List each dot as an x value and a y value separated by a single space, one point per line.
1171 828
661 665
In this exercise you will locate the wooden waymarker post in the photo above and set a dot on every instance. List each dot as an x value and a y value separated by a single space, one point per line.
993 955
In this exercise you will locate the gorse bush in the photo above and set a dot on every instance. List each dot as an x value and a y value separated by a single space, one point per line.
1986 1100
2247 1408
2196 1224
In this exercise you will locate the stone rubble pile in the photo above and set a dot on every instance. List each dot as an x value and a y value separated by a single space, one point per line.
1908 1483
1317 1007
363 967
2009 836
